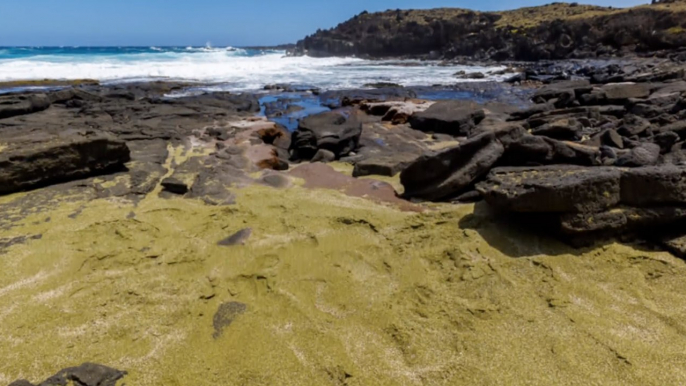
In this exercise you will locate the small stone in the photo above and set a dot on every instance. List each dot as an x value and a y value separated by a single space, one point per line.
175 186
238 238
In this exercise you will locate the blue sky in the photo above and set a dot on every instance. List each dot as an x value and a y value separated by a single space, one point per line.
196 22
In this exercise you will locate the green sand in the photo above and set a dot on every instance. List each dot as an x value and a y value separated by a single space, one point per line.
339 291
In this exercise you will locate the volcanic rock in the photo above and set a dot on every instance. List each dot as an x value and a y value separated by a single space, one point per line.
34 161
88 374
620 93
552 189
435 176
456 118
15 105
655 185
539 150
338 132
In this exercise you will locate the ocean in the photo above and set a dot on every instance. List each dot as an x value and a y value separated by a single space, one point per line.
224 68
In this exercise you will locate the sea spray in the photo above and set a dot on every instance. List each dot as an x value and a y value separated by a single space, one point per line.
229 67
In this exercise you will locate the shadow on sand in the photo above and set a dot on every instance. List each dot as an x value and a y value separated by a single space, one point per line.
532 235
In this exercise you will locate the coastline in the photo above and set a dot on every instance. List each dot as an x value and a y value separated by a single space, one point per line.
219 216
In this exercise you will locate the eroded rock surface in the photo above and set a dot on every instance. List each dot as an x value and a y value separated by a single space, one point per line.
36 160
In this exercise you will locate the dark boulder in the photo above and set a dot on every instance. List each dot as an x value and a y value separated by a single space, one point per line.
14 105
335 131
88 374
30 164
456 118
552 189
435 176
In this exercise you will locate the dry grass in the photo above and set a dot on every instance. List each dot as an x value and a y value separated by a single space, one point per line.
518 18
533 16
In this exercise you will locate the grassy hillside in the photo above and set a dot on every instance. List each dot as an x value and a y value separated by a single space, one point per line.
558 30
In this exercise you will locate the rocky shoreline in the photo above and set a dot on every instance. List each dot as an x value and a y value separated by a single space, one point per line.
225 201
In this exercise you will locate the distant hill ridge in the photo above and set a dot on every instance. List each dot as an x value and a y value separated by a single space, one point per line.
554 31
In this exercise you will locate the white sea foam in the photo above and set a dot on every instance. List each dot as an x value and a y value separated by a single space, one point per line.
233 68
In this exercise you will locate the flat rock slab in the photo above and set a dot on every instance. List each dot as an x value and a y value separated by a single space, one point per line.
15 105
456 118
552 189
34 162
621 92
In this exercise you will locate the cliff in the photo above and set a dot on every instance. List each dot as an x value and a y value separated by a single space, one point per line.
554 31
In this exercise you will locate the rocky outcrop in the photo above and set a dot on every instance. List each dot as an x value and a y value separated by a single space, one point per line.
587 201
554 31
36 161
588 160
